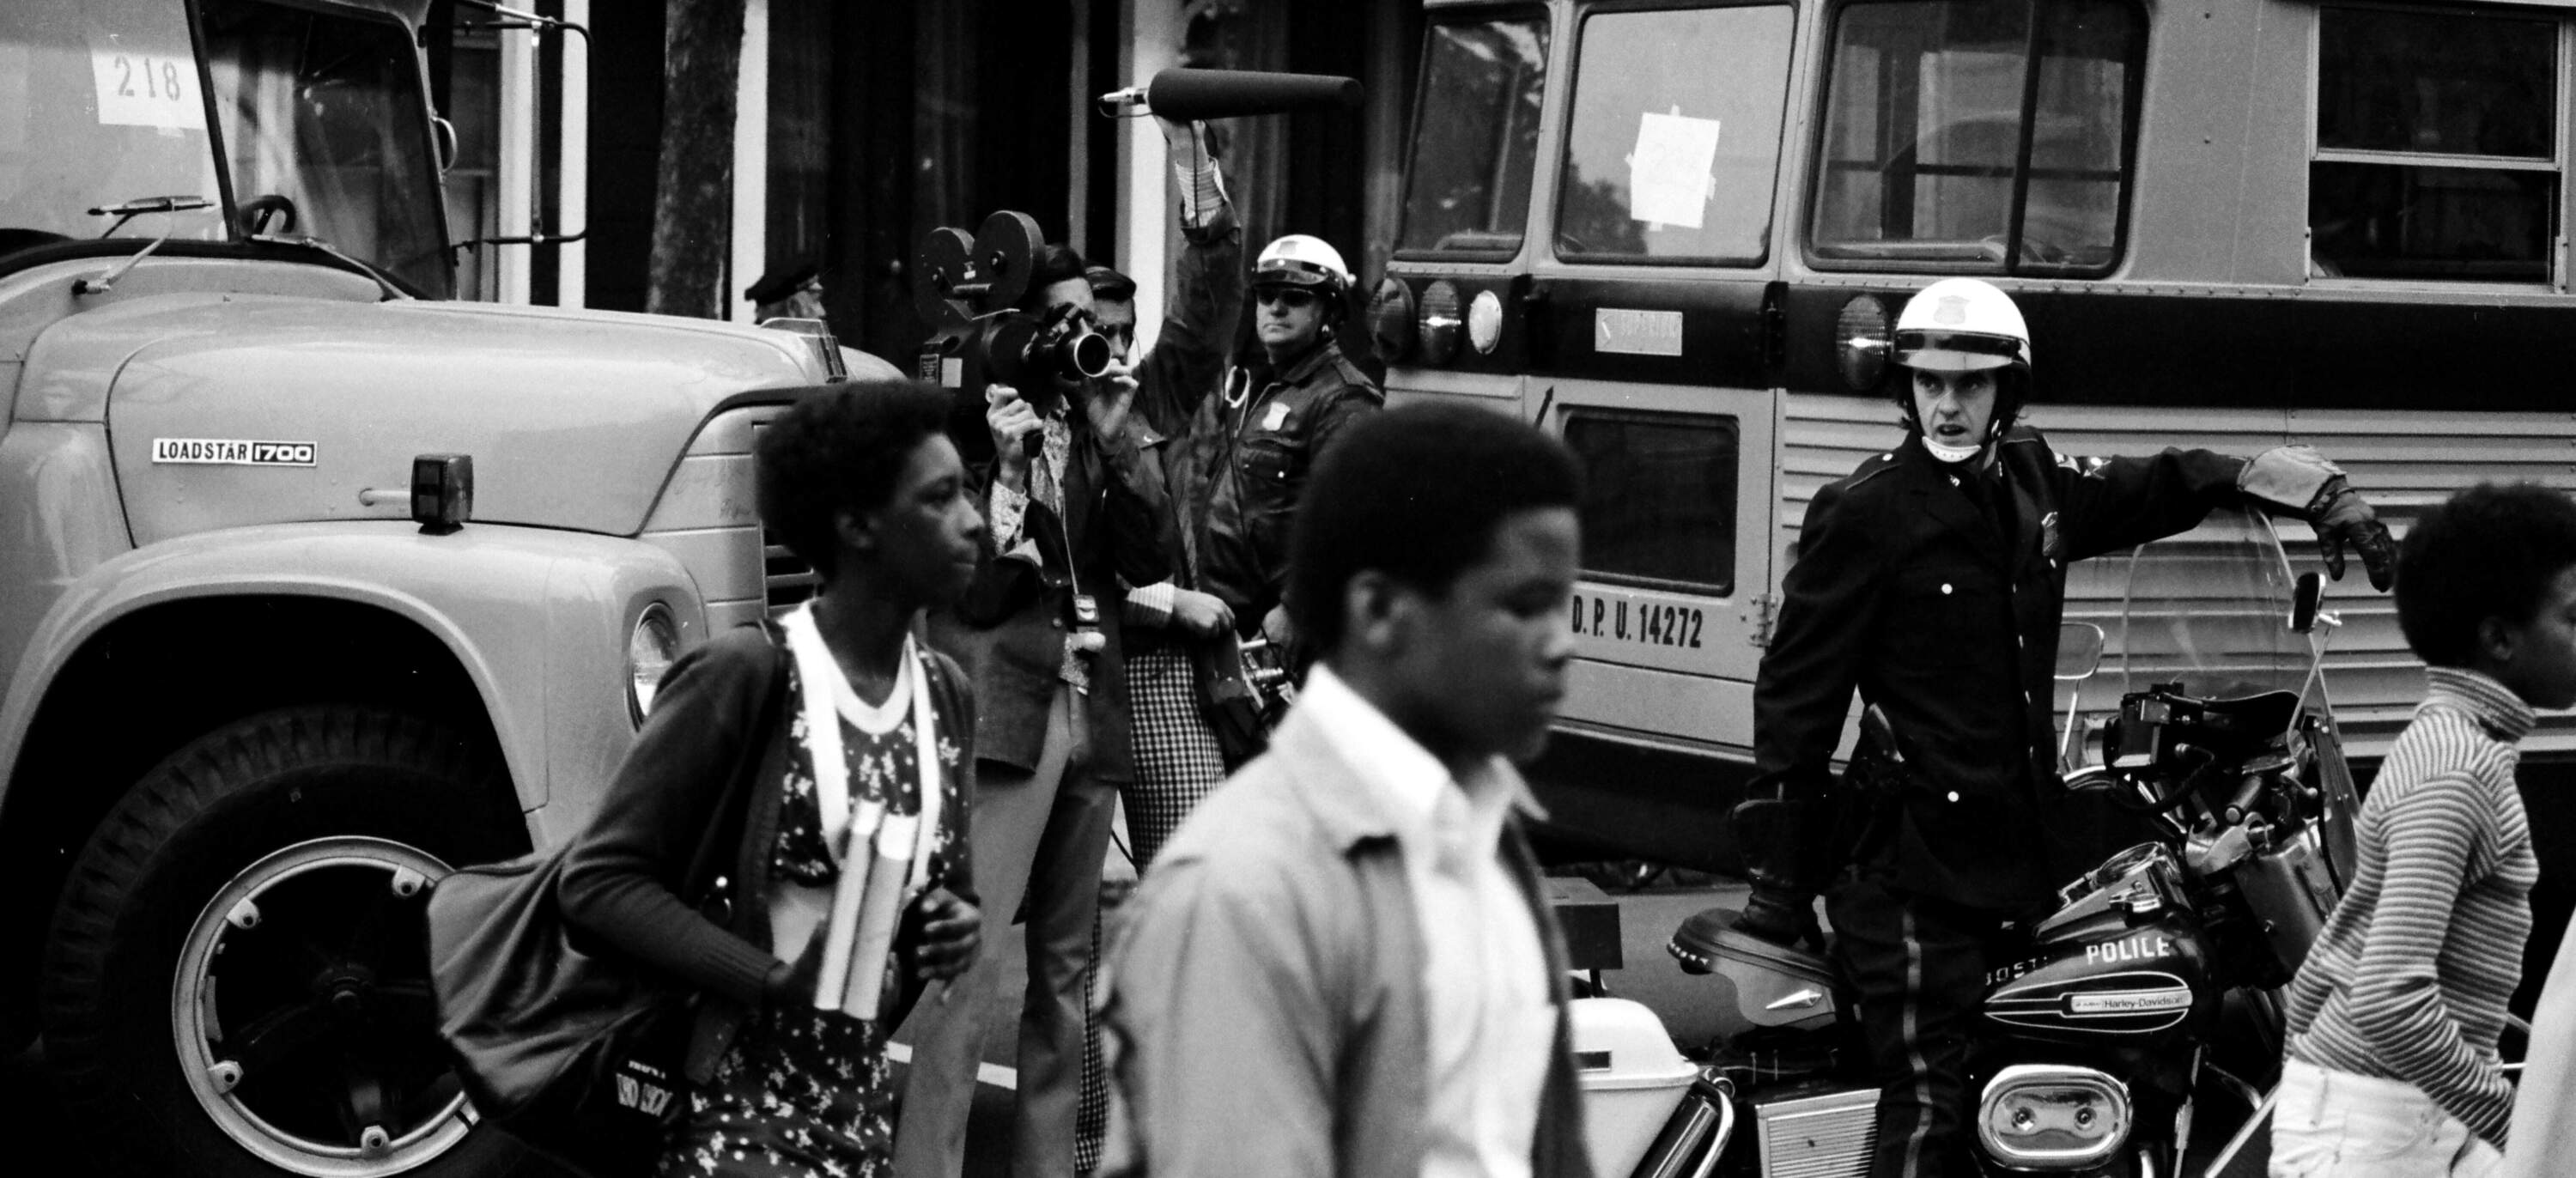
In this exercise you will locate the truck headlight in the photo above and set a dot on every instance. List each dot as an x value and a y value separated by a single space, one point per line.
1440 317
650 650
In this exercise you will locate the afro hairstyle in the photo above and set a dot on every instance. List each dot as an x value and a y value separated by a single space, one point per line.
2490 551
840 448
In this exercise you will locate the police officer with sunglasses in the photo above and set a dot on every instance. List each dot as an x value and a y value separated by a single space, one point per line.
1278 414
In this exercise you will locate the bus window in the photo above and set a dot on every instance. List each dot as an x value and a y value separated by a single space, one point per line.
1475 137
1658 498
2437 146
1979 135
1676 135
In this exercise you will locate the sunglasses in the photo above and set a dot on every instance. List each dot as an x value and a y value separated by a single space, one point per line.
1285 296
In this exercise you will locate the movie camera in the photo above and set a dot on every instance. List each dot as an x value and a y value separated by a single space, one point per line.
968 290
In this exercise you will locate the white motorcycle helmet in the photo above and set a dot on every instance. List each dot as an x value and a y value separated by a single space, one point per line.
1965 325
1301 260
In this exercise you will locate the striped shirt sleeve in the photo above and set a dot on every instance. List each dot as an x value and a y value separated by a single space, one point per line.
2396 1001
1151 605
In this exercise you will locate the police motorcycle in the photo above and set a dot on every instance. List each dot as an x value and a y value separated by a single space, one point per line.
2153 987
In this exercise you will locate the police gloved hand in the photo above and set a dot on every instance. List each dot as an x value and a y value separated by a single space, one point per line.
1782 916
2341 516
2298 479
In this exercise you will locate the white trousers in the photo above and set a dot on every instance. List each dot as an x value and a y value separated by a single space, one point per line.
2332 1124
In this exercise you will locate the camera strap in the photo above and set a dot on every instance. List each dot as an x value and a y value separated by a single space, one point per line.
1086 637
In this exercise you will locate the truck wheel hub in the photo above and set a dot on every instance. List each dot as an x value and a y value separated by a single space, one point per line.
302 1013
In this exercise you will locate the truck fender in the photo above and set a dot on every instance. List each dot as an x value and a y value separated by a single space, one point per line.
538 619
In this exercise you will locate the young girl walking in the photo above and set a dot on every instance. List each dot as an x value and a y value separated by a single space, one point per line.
2391 1069
851 886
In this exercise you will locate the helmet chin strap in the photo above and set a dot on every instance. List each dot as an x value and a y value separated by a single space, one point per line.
1951 454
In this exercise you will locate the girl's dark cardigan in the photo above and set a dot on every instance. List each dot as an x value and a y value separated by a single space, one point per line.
623 879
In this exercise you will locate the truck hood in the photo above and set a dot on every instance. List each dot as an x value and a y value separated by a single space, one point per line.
573 418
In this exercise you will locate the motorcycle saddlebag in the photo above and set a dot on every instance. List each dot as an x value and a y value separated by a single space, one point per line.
1775 985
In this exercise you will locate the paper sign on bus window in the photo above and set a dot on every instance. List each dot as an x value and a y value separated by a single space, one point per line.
139 86
1668 172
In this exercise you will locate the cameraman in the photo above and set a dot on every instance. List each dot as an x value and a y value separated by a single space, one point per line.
1069 524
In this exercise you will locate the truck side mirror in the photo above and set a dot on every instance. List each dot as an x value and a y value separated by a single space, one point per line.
443 137
2304 599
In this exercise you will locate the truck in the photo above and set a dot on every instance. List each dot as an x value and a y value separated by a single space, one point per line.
1677 235
315 582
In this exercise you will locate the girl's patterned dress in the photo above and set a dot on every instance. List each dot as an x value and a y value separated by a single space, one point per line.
805 1091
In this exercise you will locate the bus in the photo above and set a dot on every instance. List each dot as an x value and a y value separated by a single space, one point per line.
1677 234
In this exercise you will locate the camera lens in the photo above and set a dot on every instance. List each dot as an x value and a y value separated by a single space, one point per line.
1083 354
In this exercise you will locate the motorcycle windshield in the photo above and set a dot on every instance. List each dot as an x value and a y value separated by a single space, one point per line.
2211 609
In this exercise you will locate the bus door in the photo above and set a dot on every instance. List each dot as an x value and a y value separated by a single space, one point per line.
1658 355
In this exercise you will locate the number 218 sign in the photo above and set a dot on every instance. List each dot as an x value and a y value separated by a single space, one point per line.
144 87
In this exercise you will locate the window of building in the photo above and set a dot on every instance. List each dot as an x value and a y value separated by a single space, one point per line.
1475 136
1979 135
1675 143
2437 146
1658 498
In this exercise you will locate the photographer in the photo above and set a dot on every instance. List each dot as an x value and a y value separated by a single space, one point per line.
1069 525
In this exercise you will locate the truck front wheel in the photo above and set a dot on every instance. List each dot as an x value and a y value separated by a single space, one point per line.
235 983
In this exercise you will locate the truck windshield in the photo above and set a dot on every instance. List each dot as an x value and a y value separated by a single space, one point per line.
1981 135
1475 136
323 119
99 106
1676 134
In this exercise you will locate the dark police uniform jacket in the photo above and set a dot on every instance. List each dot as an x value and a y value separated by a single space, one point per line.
1906 591
1260 448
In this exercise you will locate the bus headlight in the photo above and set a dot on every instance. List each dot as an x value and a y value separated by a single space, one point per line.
1861 342
650 650
1485 322
1391 318
1440 321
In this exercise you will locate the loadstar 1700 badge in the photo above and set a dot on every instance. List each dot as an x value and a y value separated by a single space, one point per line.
232 452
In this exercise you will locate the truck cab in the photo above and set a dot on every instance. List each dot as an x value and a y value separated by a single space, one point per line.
314 582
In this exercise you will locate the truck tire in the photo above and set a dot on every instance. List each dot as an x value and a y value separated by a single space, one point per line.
234 983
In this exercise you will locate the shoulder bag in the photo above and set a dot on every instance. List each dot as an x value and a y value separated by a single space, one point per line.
578 1056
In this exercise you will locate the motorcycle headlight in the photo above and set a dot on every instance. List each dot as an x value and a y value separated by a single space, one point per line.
650 650
2053 1117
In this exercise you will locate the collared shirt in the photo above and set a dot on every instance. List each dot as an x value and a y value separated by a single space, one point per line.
1484 970
1010 510
2410 978
1046 482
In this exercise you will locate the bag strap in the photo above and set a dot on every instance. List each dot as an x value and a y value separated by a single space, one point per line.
733 808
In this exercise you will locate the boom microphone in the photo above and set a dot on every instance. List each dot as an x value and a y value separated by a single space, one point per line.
1182 95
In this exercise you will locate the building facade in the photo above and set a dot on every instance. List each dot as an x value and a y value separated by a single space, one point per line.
860 127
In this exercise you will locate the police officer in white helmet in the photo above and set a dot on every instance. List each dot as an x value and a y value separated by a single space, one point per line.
1280 410
1931 581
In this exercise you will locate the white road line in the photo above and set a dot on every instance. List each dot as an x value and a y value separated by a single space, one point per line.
989 1073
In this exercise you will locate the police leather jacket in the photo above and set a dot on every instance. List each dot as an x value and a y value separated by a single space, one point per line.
1906 590
1254 449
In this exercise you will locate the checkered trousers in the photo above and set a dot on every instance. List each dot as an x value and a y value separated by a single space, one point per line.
1176 754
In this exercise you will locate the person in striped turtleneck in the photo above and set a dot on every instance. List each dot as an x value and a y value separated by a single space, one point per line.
2391 1064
